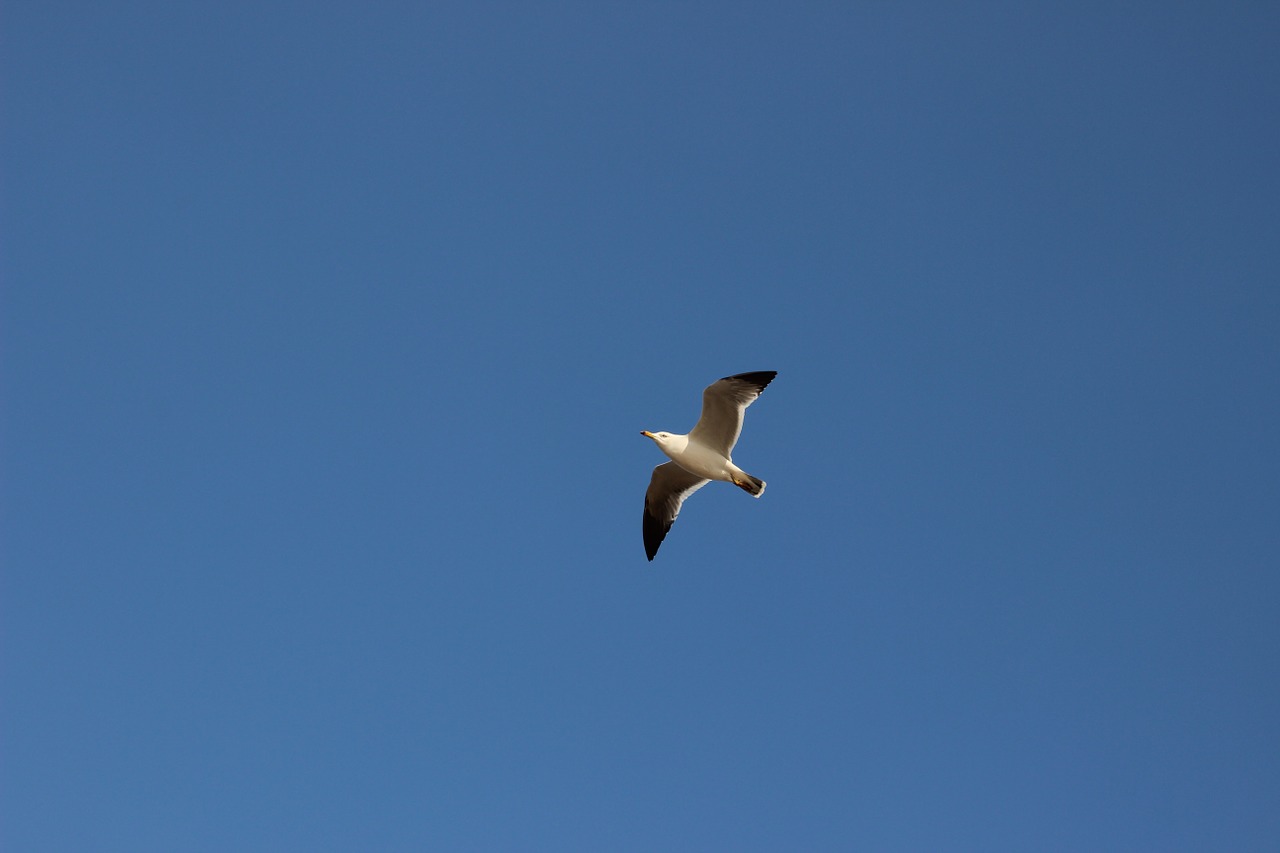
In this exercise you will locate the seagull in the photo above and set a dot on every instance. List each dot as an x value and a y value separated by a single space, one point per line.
702 455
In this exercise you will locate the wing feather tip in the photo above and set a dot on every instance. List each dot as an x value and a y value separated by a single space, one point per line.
654 532
758 378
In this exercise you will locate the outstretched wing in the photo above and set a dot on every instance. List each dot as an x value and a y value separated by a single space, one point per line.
668 488
723 403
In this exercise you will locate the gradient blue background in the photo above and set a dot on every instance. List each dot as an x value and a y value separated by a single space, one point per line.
329 330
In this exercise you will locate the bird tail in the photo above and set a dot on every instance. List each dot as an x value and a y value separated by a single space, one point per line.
753 486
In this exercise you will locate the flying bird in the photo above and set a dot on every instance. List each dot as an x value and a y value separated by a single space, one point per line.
702 455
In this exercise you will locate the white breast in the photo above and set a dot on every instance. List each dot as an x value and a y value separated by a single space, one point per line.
700 460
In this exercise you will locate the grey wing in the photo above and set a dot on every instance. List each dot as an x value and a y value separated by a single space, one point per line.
723 404
668 488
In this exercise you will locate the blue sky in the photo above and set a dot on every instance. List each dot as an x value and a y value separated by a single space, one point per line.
328 332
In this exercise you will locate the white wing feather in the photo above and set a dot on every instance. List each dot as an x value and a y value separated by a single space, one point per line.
723 404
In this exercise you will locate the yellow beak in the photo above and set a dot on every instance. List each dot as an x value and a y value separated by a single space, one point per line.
646 432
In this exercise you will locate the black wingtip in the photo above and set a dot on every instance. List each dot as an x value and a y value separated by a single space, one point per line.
758 378
654 532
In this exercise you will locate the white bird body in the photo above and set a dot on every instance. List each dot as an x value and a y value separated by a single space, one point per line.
701 460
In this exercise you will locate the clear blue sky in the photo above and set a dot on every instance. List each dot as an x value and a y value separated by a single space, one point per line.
329 330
